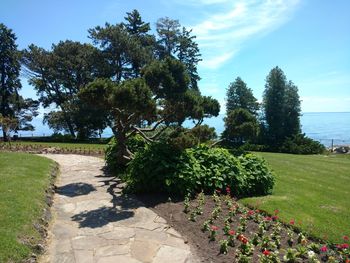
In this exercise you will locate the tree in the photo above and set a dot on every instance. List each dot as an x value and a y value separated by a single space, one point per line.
122 50
58 75
188 53
281 107
160 97
168 32
9 72
240 96
240 126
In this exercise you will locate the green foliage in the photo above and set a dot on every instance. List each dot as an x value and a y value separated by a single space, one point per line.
203 133
259 178
300 144
134 143
239 96
163 168
281 106
240 126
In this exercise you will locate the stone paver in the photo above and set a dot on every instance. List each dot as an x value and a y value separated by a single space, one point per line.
94 223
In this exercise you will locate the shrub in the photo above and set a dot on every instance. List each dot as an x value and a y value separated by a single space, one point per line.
300 144
163 168
135 143
259 178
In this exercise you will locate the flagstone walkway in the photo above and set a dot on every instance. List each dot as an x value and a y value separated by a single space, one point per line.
93 222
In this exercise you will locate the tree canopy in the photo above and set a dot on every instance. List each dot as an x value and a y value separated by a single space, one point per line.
14 108
281 107
240 96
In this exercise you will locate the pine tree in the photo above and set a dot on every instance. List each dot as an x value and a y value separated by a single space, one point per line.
240 96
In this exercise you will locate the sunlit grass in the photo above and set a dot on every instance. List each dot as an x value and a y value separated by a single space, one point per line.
23 181
314 190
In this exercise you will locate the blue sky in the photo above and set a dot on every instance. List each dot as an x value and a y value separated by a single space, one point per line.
308 39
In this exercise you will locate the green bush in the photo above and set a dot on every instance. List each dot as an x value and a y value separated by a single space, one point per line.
259 178
135 143
300 144
164 168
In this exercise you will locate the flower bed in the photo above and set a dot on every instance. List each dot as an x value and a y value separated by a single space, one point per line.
222 230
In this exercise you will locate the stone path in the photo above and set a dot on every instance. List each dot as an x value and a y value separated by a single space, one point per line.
94 223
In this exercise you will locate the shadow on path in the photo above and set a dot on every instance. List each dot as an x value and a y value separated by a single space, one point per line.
75 189
100 217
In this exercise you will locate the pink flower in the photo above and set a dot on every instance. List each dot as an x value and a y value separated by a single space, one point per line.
251 212
344 246
231 232
274 218
323 249
266 252
214 228
267 218
228 190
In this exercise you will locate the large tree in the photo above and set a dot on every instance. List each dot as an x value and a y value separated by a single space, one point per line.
281 107
161 97
58 75
177 42
238 96
9 71
13 107
240 126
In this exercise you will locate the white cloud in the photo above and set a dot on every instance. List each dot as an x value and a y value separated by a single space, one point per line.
222 34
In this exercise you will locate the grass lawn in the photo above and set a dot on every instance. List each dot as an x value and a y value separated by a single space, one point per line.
83 146
312 189
23 180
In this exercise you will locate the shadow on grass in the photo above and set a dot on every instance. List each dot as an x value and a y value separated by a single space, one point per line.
75 189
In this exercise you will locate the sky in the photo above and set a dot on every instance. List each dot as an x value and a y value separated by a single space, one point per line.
308 39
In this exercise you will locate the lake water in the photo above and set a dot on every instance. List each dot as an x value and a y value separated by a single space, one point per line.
321 126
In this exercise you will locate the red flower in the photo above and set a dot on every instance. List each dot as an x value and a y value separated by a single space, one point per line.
251 212
242 238
218 191
292 222
266 252
347 261
268 218
323 249
214 228
276 211
257 211
231 232
228 190
344 246
346 238
274 218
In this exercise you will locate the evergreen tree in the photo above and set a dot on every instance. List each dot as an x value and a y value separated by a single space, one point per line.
281 107
240 126
239 96
9 71
13 107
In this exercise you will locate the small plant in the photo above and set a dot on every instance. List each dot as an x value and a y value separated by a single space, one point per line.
301 251
314 247
206 226
213 232
291 255
246 247
290 235
199 210
231 238
302 239
224 246
226 228
187 203
216 212
241 258
193 216
269 257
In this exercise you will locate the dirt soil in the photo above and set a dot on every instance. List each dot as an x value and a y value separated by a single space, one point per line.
209 251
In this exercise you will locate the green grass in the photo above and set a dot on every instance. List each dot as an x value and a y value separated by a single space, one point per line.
313 190
23 180
71 146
